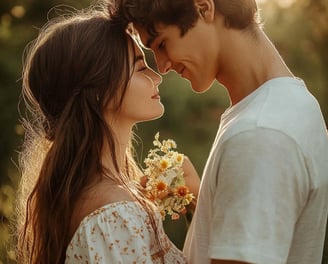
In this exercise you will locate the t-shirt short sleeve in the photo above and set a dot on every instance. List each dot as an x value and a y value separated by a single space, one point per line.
259 195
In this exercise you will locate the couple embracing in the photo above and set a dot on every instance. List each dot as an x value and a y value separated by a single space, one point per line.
264 189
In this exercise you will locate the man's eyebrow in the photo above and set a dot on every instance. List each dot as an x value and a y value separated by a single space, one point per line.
152 38
149 42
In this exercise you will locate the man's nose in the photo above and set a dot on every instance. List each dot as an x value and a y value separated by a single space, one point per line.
163 63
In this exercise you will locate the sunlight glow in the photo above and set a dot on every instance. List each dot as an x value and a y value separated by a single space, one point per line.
281 3
18 11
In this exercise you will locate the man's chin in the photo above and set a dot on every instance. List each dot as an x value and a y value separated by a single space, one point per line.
200 88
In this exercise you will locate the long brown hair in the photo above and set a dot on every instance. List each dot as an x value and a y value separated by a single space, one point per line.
77 65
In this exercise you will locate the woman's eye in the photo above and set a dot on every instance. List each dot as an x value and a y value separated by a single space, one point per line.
142 68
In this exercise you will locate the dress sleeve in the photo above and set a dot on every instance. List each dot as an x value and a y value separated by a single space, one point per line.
113 234
261 190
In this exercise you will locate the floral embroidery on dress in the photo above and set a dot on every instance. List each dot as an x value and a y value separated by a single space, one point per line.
120 233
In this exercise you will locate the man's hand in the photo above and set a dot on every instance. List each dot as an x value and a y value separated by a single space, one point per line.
191 176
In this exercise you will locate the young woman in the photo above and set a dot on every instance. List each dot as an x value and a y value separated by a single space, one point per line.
86 84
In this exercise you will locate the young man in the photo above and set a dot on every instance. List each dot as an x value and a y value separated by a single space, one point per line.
264 190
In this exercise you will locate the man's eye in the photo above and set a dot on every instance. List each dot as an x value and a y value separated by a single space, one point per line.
161 45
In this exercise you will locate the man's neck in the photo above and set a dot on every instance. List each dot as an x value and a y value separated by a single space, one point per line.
247 62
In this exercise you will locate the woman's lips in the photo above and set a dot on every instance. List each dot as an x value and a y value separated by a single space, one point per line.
155 96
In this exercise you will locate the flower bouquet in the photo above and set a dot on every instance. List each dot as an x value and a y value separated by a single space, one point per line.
165 184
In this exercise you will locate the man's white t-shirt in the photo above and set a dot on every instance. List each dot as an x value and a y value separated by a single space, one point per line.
264 191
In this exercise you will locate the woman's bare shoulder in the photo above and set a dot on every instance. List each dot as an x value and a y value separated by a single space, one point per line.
96 197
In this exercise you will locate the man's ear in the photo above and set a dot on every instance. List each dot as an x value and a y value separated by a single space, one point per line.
206 9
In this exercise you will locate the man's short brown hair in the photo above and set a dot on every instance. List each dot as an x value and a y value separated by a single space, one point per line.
239 14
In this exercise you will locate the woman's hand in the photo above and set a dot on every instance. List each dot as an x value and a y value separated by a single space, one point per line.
191 176
143 181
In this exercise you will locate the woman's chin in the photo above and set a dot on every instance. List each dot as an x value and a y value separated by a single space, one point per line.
152 117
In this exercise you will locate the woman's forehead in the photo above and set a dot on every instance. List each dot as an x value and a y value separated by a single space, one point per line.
135 52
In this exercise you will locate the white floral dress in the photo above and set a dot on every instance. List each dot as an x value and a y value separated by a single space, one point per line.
120 233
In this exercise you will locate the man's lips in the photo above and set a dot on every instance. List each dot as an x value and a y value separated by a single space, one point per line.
181 70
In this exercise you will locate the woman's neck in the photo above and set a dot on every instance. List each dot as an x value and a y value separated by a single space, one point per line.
122 134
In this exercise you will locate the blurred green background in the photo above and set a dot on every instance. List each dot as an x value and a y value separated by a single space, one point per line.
299 29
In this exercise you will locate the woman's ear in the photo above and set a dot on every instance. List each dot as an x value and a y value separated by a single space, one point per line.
206 9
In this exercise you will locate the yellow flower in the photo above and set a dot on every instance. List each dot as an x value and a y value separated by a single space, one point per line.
164 164
179 158
161 186
181 191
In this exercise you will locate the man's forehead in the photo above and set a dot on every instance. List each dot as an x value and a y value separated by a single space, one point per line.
144 37
147 39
